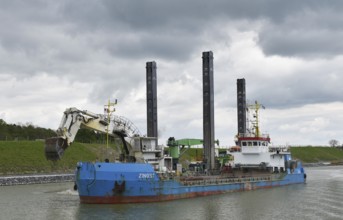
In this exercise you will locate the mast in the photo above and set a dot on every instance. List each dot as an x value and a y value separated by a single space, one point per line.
208 109
256 107
151 96
241 107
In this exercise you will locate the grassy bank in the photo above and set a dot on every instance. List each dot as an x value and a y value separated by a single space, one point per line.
305 154
317 154
27 157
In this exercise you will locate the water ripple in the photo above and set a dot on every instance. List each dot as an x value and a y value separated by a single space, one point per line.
320 198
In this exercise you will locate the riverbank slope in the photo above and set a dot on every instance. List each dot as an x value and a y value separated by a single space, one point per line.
27 157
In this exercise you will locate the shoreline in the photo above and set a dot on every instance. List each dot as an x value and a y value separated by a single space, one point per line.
26 179
35 179
322 164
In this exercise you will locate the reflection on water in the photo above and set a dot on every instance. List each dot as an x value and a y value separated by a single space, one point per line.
320 198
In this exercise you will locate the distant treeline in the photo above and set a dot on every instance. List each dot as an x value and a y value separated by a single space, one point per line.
20 132
11 132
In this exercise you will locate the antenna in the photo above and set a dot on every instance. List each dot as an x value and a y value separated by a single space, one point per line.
255 122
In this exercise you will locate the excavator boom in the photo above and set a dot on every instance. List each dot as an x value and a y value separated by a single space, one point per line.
74 119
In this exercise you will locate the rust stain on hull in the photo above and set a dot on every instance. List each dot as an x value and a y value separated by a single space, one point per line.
119 188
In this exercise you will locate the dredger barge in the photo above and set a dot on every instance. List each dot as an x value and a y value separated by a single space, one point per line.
144 173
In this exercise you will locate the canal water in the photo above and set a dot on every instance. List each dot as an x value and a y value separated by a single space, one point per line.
320 198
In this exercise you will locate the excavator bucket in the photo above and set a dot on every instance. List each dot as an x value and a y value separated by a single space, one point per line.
55 147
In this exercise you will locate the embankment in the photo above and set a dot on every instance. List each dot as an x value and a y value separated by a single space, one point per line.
27 157
24 162
35 179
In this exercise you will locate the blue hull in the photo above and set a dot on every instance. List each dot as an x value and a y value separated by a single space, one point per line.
133 182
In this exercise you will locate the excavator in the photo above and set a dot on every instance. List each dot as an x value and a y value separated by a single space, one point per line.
135 147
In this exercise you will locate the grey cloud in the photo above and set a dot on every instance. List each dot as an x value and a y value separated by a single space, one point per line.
296 90
64 37
172 45
170 30
88 51
311 31
307 44
293 28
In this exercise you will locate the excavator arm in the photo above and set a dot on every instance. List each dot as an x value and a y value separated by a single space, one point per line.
73 119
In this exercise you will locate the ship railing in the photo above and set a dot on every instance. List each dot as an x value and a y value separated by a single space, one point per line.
123 124
152 161
252 135
279 148
235 180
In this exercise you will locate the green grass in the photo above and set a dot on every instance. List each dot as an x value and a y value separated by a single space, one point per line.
317 154
27 157
305 154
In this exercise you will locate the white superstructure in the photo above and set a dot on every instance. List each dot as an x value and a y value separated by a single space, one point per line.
253 149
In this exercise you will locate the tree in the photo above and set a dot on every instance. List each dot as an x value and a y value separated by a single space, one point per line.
333 143
20 131
2 122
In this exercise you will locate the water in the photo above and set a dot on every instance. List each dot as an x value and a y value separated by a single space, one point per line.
320 198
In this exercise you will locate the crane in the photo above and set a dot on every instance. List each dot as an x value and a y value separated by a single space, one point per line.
73 119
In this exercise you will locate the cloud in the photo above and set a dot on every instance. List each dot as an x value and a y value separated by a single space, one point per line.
40 99
311 32
58 54
306 125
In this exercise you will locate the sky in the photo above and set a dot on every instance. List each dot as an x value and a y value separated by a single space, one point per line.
81 53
